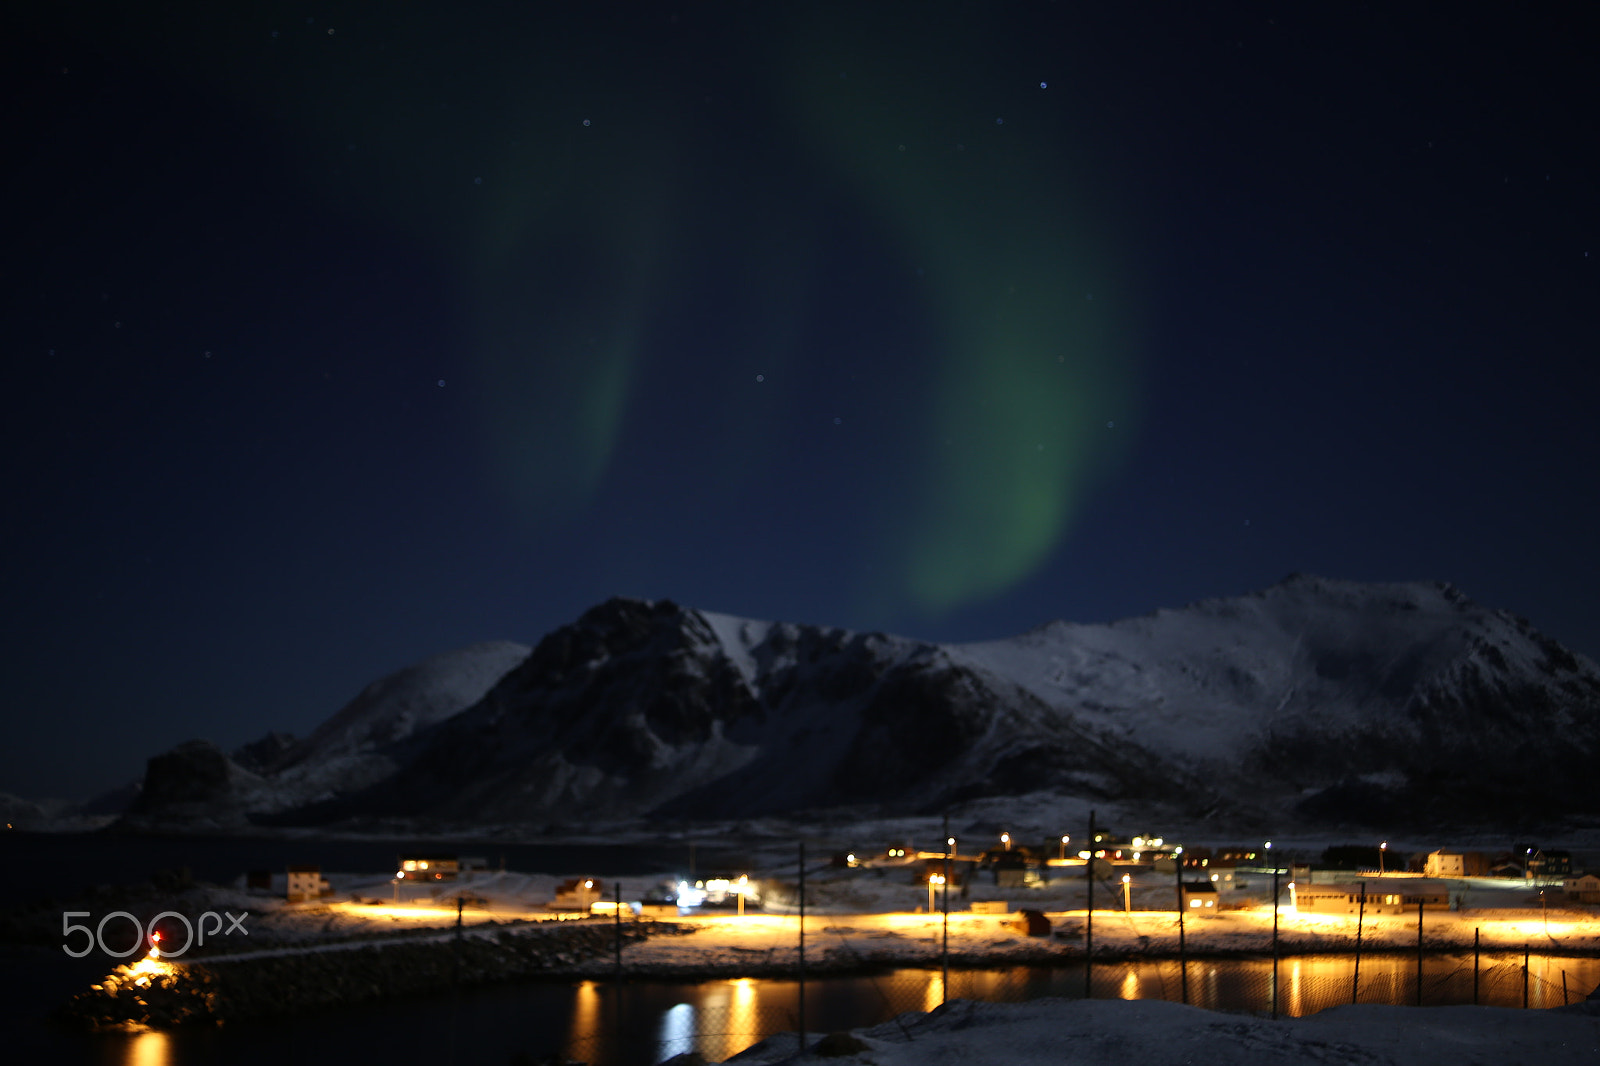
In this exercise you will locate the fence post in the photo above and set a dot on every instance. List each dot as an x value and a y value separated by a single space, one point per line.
1274 941
1476 933
802 1018
1088 935
944 985
619 929
1361 914
1183 954
1419 951
1563 988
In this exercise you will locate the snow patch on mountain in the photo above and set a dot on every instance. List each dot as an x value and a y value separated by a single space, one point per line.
363 743
1333 701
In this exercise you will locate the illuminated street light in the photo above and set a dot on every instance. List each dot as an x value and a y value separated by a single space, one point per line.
1005 838
1383 847
1127 893
1065 840
936 879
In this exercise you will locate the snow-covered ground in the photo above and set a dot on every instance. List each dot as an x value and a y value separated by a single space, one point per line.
757 942
1054 1031
878 915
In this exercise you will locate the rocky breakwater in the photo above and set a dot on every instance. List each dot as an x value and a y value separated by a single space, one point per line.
158 994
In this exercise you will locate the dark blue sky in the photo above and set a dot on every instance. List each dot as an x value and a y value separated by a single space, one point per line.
343 334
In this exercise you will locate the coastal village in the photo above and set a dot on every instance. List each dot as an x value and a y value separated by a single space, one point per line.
1011 889
1157 920
1137 871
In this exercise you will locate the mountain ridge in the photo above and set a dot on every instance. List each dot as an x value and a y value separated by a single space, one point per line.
1330 700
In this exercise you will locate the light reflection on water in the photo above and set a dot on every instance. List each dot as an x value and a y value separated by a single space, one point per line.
933 993
150 1049
742 1019
721 1018
585 1013
677 1032
640 1023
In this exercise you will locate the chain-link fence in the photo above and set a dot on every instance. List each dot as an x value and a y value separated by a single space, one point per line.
626 1022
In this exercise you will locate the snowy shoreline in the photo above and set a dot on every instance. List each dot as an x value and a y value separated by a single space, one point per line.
329 974
1046 1031
766 945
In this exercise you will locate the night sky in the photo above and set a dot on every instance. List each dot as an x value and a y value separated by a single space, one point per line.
342 334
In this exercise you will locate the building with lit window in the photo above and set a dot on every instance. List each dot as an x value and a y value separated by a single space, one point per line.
306 883
1383 897
1585 889
428 868
1456 864
1541 863
1200 896
578 894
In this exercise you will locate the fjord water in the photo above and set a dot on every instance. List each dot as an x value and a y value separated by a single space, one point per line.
641 1022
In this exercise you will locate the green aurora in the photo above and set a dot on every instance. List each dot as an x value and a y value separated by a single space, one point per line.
566 239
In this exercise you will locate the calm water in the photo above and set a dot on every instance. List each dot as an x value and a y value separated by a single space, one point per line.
640 1023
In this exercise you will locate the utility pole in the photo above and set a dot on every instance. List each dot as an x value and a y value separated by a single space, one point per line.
802 1021
1476 933
944 984
1183 954
1355 984
1088 942
1274 941
619 929
1419 950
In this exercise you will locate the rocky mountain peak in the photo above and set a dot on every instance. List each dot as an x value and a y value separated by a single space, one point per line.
1340 700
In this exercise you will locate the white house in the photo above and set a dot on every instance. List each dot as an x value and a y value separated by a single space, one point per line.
1585 889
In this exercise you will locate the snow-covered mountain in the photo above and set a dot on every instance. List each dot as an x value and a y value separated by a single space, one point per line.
1317 700
365 742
